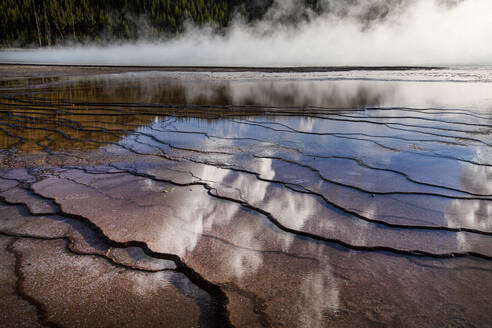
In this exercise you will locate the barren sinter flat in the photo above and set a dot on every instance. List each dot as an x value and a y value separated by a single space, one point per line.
140 197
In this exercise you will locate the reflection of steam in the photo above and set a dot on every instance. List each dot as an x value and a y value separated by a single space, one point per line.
322 89
162 88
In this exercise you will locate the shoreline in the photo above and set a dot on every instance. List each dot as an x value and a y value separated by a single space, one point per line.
287 69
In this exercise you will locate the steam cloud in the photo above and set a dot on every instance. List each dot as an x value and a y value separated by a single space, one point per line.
372 32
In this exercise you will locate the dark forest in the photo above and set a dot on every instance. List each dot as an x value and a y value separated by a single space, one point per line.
51 22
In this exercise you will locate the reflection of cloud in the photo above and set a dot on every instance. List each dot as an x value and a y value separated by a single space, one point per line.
144 285
306 124
472 213
320 293
241 262
149 185
283 203
320 296
477 179
294 209
195 214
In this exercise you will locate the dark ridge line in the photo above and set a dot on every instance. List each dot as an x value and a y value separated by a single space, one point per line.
318 172
290 130
427 153
66 102
305 190
334 134
270 217
41 310
153 113
97 191
476 197
68 137
417 253
365 165
235 109
60 120
267 113
63 134
454 268
8 189
359 162
86 171
150 136
118 133
417 118
258 107
368 119
393 225
112 106
407 125
299 257
57 120
330 203
340 136
309 235
344 244
387 124
212 68
208 136
259 304
281 227
332 118
214 290
435 111
390 126
13 146
202 133
62 104
69 247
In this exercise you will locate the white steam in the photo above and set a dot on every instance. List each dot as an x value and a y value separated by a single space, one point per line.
421 32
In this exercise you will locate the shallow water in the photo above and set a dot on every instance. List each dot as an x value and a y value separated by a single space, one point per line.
346 199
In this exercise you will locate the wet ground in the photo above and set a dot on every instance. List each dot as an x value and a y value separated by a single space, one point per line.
248 199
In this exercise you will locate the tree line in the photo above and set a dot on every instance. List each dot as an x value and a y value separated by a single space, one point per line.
51 22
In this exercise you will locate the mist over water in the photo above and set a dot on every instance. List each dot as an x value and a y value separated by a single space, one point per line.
412 32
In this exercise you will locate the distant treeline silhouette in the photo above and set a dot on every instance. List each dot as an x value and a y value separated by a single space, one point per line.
51 22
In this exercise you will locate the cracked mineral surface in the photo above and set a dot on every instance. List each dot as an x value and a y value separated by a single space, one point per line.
235 198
